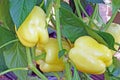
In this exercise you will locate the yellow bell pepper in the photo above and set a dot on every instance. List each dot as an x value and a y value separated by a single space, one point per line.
51 62
114 30
33 29
89 56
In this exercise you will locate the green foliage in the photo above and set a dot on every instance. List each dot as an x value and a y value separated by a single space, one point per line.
5 36
61 53
5 17
66 6
116 70
19 10
16 57
108 38
2 62
73 28
113 72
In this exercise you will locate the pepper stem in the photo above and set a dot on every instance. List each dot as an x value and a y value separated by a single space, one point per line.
12 69
32 66
7 43
67 68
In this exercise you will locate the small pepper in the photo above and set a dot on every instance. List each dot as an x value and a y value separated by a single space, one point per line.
33 29
51 62
89 56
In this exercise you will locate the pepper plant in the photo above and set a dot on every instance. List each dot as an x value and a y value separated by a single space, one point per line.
79 49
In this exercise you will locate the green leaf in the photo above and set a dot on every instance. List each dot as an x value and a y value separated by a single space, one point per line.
67 17
19 10
113 71
92 33
116 70
102 37
115 5
73 32
108 38
5 17
66 6
16 57
2 62
61 53
72 27
96 1
5 36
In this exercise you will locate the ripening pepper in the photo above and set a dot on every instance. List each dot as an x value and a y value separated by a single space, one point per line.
33 29
114 30
51 62
89 56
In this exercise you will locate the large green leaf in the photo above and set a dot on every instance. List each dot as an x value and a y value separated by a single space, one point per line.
16 57
108 38
5 36
73 32
72 27
2 62
19 10
5 17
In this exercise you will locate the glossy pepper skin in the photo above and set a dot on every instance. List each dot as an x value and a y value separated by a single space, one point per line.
89 56
114 30
33 29
51 62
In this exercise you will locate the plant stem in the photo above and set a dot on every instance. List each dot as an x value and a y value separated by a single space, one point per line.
31 65
78 10
110 21
7 43
12 69
29 57
58 24
95 12
33 52
68 74
42 3
87 76
38 73
68 71
83 8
